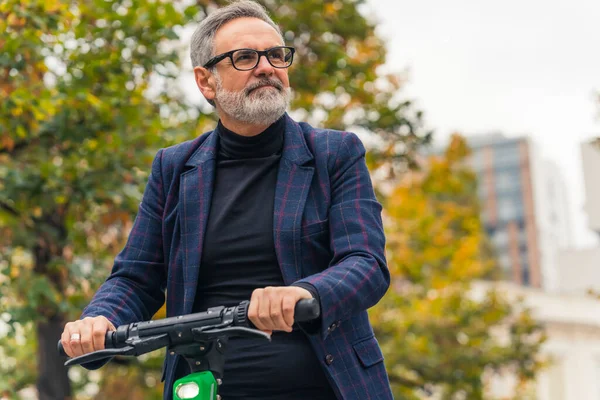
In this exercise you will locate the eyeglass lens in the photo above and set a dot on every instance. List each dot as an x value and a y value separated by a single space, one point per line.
248 59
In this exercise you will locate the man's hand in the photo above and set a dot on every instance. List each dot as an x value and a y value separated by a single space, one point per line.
272 308
86 335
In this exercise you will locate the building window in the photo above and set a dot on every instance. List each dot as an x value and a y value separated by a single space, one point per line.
509 209
522 238
504 181
504 261
507 155
500 239
525 275
525 270
477 160
508 180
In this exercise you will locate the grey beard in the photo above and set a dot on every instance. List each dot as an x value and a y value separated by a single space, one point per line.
257 108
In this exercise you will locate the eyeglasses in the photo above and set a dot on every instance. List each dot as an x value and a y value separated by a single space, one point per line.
247 59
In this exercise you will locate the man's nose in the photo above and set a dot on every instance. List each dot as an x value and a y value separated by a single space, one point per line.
264 67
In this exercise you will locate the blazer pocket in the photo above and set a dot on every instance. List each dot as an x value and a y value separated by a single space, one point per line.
317 227
368 352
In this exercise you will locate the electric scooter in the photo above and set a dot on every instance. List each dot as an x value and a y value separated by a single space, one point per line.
200 338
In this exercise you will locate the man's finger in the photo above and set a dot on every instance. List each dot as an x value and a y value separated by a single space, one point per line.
99 329
253 310
86 340
264 311
75 340
288 306
65 339
276 313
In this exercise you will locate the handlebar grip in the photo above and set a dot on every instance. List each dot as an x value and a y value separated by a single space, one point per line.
61 349
304 311
307 310
108 343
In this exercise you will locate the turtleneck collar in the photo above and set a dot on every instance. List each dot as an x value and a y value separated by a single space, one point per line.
266 143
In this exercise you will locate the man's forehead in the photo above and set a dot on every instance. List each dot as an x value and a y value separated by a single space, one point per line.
246 32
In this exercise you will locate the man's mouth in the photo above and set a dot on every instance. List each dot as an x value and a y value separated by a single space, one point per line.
264 86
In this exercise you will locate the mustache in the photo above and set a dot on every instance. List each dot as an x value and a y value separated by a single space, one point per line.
264 82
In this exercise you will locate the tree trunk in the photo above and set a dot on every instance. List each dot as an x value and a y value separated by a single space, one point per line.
53 382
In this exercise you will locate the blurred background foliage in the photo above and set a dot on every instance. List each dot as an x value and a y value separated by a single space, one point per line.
438 337
90 92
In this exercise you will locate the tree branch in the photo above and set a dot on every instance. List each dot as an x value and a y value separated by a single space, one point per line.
9 209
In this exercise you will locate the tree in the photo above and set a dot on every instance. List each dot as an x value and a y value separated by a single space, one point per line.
89 95
77 129
435 334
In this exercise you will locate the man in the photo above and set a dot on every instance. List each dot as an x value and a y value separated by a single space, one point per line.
262 208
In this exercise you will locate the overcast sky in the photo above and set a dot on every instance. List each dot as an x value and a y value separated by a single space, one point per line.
523 67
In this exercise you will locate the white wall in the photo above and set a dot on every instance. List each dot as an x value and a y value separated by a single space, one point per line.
573 327
590 155
551 213
576 350
579 270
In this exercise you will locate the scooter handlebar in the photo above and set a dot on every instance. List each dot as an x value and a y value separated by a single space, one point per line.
305 310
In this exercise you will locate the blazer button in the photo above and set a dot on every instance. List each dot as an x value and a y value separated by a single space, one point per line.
331 327
328 359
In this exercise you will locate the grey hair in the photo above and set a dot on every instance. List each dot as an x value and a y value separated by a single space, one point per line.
202 42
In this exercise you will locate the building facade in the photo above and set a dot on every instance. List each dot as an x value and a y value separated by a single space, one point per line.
590 157
524 207
572 347
579 268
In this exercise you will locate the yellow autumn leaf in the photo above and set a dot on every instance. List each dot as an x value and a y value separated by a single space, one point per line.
93 100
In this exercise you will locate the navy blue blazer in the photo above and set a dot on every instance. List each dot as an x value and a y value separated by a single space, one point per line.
327 230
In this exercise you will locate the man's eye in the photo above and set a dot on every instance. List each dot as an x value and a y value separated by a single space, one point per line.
245 56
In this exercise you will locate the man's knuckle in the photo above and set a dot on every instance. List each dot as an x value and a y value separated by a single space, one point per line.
273 290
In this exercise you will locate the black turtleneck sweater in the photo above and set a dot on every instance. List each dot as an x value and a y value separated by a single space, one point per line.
239 256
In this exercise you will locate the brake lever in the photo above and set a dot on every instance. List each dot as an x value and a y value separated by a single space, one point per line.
134 347
100 355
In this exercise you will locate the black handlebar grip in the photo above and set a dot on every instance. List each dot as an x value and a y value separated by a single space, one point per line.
61 349
108 343
307 310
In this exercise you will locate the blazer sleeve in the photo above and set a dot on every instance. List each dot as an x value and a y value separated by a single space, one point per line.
357 276
134 291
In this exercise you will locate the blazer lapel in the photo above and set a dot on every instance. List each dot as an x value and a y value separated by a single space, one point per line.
293 183
195 192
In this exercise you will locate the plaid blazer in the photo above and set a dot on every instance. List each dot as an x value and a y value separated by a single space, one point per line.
327 230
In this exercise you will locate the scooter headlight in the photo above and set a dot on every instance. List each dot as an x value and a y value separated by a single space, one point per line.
187 390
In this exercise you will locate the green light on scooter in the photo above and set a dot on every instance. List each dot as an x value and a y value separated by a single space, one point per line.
196 386
188 390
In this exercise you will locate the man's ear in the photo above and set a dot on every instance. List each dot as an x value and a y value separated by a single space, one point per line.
206 82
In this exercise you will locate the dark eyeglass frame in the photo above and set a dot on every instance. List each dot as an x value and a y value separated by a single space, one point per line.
216 59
